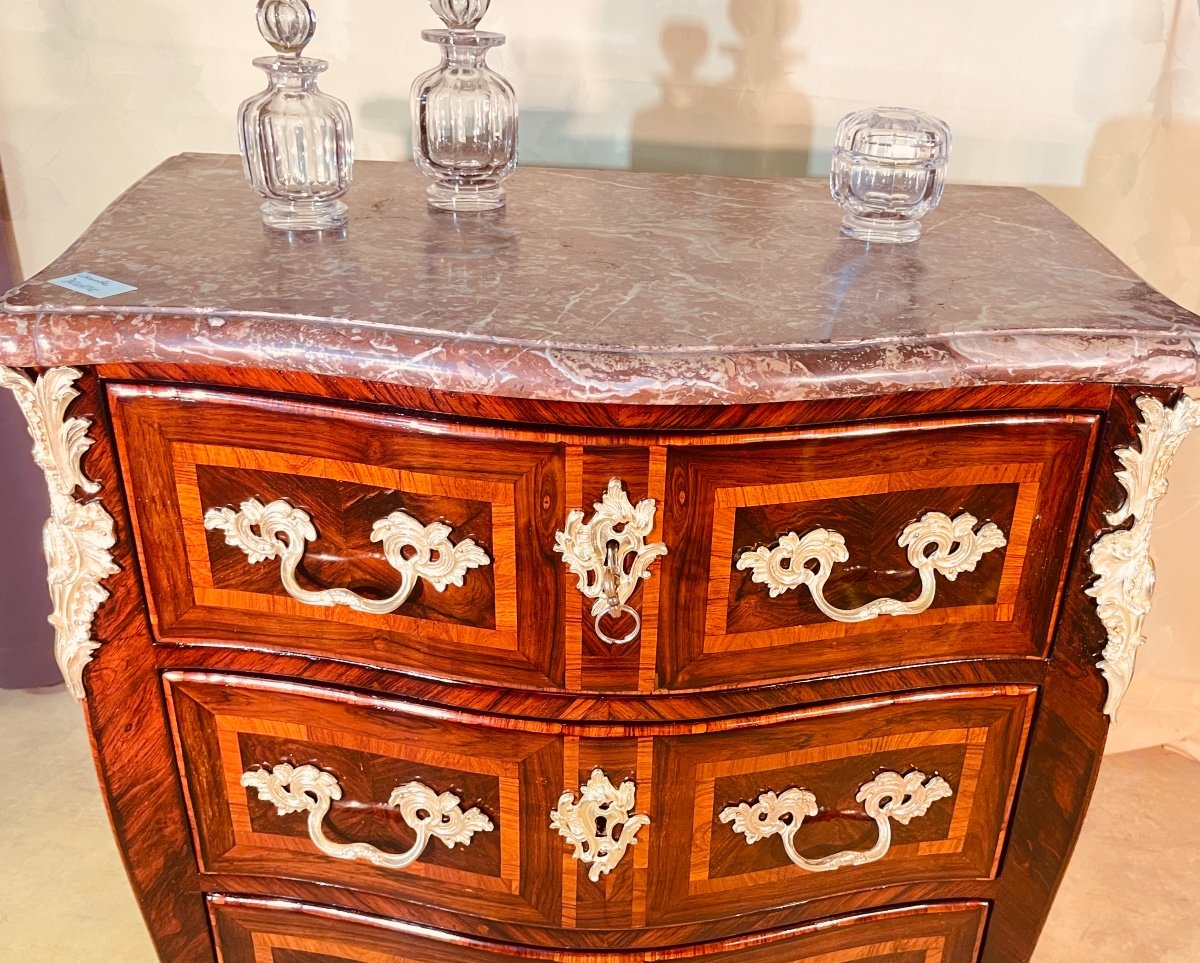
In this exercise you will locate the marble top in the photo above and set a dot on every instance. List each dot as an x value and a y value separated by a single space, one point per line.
601 286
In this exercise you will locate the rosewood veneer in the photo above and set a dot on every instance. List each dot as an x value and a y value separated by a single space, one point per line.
645 573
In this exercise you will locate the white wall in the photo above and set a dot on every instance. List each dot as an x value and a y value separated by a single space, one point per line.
92 95
1096 102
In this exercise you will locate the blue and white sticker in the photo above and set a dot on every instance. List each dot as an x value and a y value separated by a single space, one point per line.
93 285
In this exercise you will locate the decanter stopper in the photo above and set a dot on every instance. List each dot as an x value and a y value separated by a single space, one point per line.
297 143
287 25
464 114
460 14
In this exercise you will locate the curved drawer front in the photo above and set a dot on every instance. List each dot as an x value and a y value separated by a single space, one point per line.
354 536
835 800
874 547
553 561
575 827
258 931
286 781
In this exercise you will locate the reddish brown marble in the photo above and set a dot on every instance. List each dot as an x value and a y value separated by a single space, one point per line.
604 287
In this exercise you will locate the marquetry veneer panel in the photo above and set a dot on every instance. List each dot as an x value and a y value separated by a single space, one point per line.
686 866
519 620
260 931
974 739
1024 473
224 726
186 452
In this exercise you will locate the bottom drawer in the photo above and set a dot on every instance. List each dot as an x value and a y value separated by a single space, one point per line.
277 931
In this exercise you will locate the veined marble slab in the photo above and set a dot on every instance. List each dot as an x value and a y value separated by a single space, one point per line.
600 286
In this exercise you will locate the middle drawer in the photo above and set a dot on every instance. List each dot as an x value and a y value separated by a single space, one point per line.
595 827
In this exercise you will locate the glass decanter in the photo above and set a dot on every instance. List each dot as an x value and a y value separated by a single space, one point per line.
889 171
297 143
464 114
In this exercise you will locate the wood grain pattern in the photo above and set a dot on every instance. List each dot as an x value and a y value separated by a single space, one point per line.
225 726
608 903
1067 744
741 615
509 768
607 667
1026 474
188 452
261 931
620 712
974 739
454 408
343 513
130 738
714 615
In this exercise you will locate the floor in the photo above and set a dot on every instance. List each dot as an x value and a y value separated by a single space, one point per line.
1132 894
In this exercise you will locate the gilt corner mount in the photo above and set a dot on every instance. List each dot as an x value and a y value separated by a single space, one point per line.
79 534
1121 559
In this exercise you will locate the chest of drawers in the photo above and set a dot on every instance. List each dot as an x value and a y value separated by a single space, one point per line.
648 584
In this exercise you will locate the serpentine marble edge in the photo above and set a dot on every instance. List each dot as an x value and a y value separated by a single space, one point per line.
593 286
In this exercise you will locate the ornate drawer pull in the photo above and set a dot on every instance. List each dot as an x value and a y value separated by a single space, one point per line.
610 554
889 796
414 550
602 825
312 790
958 549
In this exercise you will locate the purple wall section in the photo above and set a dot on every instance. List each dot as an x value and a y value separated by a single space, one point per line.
26 638
8 247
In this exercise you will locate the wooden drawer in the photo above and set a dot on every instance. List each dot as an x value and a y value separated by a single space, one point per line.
680 856
227 726
261 931
722 807
187 454
965 524
1020 480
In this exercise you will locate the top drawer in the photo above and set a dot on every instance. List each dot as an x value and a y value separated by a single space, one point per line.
498 616
287 525
849 550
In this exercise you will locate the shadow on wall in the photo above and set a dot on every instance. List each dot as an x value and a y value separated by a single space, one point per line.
750 123
9 271
1131 196
1134 175
1136 194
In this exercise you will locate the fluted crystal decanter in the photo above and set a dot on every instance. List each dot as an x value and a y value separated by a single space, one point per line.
297 143
464 114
